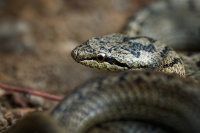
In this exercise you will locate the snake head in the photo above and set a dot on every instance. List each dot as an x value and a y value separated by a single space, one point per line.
117 52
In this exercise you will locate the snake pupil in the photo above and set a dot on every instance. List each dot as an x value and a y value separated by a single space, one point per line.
101 57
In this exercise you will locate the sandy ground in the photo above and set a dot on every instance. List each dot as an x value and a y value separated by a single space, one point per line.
36 39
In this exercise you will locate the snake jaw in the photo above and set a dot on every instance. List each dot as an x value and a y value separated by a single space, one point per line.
74 54
102 65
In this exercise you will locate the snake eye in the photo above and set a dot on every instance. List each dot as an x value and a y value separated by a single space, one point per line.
100 57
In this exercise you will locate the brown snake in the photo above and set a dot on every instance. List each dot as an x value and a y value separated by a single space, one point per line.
161 100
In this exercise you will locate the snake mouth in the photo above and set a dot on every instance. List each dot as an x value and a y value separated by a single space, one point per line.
79 57
74 54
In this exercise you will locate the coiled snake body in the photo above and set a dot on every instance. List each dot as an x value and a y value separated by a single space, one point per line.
141 96
166 100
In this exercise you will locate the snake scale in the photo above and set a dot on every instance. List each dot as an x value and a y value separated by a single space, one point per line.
144 101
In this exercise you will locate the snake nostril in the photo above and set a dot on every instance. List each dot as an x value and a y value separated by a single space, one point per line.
74 54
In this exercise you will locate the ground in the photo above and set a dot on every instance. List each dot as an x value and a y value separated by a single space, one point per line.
36 39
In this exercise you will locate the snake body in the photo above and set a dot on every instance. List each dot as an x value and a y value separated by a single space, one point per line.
173 22
168 101
143 96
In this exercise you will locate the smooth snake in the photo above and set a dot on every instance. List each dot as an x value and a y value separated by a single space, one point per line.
140 101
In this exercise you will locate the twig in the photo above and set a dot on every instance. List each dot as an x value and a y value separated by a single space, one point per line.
30 91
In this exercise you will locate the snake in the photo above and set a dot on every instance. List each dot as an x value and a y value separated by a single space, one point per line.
158 90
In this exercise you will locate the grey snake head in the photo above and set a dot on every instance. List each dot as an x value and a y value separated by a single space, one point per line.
117 52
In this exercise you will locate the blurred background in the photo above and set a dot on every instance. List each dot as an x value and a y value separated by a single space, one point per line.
36 39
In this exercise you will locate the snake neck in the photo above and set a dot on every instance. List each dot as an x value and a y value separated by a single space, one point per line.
173 64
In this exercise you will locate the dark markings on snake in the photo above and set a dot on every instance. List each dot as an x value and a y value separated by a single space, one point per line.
138 47
151 39
147 73
164 52
149 48
149 66
191 5
86 43
114 48
144 66
90 49
152 66
102 43
101 47
113 61
78 93
175 61
138 80
198 64
100 84
133 51
126 39
121 78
